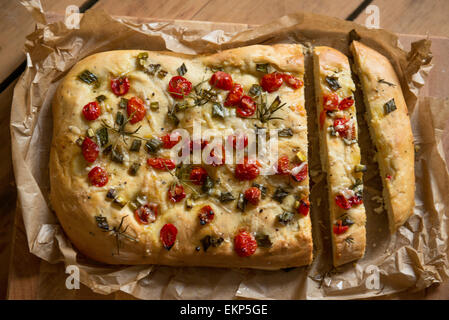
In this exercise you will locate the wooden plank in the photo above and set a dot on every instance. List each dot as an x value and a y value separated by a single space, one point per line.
174 9
263 11
16 23
412 17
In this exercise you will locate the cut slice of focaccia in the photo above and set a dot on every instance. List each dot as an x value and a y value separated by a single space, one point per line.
340 153
390 129
115 186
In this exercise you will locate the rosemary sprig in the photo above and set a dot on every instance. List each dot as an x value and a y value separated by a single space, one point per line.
180 174
117 231
349 240
265 112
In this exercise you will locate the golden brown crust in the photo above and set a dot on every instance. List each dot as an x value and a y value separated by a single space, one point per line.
338 157
391 133
76 202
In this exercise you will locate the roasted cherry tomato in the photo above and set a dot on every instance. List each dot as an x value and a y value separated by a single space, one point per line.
179 87
346 204
247 107
346 103
176 193
206 215
299 173
234 96
91 111
237 140
136 109
120 86
147 213
330 102
98 177
292 81
344 130
283 165
304 207
170 140
90 150
248 170
221 160
271 82
168 235
323 115
221 80
252 195
339 228
244 244
198 175
161 163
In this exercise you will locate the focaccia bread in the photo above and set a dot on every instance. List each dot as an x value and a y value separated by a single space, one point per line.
390 129
340 153
120 198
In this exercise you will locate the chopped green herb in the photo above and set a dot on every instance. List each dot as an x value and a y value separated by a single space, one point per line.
142 58
262 67
226 197
280 194
263 240
120 201
112 193
390 106
88 77
152 69
241 202
117 155
208 241
102 136
285 217
182 70
333 83
162 73
134 168
123 103
153 145
102 222
135 145
386 82
218 111
119 118
208 185
255 90
154 105
262 188
346 221
360 168
101 98
287 132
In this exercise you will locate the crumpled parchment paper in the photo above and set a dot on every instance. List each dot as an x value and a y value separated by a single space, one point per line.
412 259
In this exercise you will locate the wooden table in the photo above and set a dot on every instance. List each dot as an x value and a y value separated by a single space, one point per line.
25 275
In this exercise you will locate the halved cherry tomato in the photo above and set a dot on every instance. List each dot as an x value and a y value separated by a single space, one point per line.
120 86
206 215
136 109
300 175
179 87
233 139
91 111
339 228
90 150
247 107
343 129
248 170
170 140
346 103
234 96
198 175
271 82
283 166
161 163
244 244
330 102
201 144
304 207
168 235
221 80
252 195
176 193
323 115
346 204
98 177
147 213
292 81
221 160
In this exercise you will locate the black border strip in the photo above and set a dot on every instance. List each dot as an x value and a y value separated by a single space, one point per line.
354 14
21 68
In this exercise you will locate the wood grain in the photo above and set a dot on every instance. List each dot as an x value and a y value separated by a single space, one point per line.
412 17
16 23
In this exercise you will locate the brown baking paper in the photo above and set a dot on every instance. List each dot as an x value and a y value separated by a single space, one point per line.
412 259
